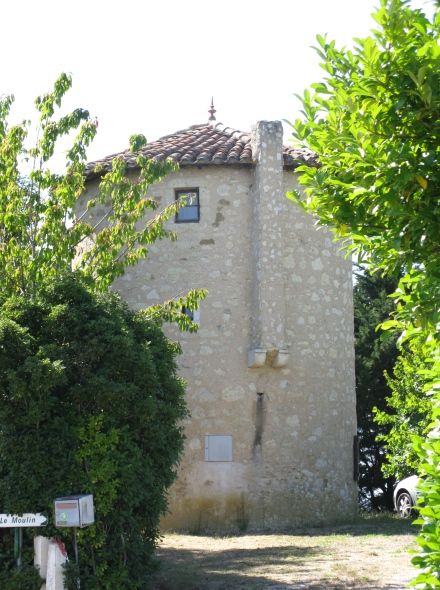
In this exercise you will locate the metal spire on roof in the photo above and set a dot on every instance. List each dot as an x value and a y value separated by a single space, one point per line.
212 111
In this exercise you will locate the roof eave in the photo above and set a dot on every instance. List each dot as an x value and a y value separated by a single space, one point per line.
289 166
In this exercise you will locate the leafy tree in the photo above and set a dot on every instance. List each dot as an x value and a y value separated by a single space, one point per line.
90 398
411 412
375 122
90 403
373 356
39 233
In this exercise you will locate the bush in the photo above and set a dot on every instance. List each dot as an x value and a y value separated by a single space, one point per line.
91 404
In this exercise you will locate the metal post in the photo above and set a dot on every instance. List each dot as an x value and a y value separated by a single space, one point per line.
75 548
18 544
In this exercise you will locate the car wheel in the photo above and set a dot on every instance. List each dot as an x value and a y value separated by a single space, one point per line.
404 505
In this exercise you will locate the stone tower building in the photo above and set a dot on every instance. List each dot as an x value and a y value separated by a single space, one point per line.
270 373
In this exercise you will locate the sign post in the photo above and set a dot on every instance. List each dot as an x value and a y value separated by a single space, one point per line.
23 520
18 522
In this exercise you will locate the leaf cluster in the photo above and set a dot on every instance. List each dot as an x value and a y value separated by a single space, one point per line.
40 235
409 412
375 122
428 557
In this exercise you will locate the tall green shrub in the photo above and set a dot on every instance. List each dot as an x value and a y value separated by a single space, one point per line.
374 120
373 356
90 404
409 412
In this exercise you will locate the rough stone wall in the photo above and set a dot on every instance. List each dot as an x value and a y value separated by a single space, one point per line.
292 427
268 298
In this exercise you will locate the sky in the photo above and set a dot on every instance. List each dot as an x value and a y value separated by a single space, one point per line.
151 67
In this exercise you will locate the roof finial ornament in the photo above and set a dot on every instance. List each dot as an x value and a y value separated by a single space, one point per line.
212 111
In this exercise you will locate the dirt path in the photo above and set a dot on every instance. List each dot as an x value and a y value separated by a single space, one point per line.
371 554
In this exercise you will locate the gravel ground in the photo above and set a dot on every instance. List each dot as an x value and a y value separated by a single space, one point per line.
370 554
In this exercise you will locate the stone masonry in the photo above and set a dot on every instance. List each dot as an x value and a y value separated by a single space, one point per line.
270 373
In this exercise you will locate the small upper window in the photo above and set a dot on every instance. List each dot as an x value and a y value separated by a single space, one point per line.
190 211
188 312
194 315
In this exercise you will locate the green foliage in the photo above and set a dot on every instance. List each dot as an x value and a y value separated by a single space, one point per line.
91 404
12 578
39 233
373 356
428 559
90 398
25 578
375 122
411 412
171 311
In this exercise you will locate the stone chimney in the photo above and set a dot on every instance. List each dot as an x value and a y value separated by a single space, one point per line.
268 297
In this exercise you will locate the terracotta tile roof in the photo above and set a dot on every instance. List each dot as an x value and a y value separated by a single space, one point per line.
202 144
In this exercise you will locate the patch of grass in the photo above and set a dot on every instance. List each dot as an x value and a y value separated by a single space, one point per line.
405 549
330 540
388 519
197 528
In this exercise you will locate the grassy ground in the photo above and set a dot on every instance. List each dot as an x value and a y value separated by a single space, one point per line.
371 553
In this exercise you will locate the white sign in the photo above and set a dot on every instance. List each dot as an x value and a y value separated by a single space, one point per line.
23 520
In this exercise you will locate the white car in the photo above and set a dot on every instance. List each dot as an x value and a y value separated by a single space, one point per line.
405 495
